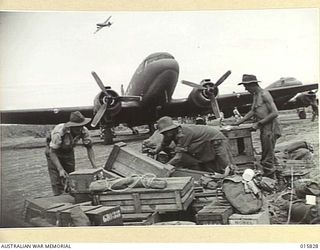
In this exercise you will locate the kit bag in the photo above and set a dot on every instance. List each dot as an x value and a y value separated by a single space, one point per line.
243 201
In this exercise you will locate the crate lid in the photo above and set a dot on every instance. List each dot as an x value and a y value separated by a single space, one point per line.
86 171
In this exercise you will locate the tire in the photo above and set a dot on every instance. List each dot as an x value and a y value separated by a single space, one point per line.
108 136
302 114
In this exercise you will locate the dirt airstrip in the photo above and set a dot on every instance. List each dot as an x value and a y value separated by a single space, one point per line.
24 169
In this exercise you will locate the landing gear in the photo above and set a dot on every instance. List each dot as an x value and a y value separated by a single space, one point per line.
107 135
302 113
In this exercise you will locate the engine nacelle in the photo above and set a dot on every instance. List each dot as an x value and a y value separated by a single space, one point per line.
112 101
201 98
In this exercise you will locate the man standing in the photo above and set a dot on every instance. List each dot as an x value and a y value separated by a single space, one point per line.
60 149
265 113
198 147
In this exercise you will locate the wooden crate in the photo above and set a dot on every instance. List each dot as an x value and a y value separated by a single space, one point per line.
140 219
63 216
178 195
82 197
98 216
105 216
184 172
37 207
126 162
214 215
250 219
52 215
80 180
240 141
202 199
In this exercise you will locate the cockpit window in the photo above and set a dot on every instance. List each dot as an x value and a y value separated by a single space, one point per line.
157 56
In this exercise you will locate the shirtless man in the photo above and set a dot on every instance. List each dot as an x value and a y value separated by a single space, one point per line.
265 113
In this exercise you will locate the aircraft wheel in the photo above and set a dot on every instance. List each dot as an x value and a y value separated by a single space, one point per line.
302 114
108 136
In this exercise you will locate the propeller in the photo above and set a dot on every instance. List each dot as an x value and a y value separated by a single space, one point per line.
108 100
210 91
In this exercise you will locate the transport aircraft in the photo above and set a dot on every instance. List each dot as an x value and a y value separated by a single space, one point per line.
149 97
106 23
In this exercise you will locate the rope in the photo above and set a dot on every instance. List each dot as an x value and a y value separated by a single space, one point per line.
291 197
145 179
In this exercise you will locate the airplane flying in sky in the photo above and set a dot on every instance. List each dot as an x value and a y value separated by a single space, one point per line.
106 23
149 97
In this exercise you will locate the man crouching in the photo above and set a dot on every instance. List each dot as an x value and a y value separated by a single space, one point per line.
198 147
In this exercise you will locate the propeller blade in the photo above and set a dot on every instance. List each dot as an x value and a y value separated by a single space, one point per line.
193 85
99 115
129 98
215 106
99 82
222 78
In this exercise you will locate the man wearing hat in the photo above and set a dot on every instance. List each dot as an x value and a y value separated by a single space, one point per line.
198 147
265 113
60 153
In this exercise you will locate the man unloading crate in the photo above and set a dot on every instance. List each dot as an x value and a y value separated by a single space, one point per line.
198 147
60 149
265 113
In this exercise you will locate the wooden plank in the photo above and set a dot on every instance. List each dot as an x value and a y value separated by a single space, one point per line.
110 175
141 165
153 200
234 147
187 199
112 157
153 208
136 160
131 202
137 202
184 172
248 146
237 133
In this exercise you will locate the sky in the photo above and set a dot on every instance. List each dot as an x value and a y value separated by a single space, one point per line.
46 57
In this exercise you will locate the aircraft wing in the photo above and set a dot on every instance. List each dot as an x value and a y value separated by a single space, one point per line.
42 116
99 28
227 102
134 113
107 19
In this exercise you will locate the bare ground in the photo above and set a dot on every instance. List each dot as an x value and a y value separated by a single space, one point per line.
24 170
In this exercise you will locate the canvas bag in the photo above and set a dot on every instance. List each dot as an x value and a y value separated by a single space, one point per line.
244 202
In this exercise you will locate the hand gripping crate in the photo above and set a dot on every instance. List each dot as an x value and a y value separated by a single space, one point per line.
177 196
125 162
